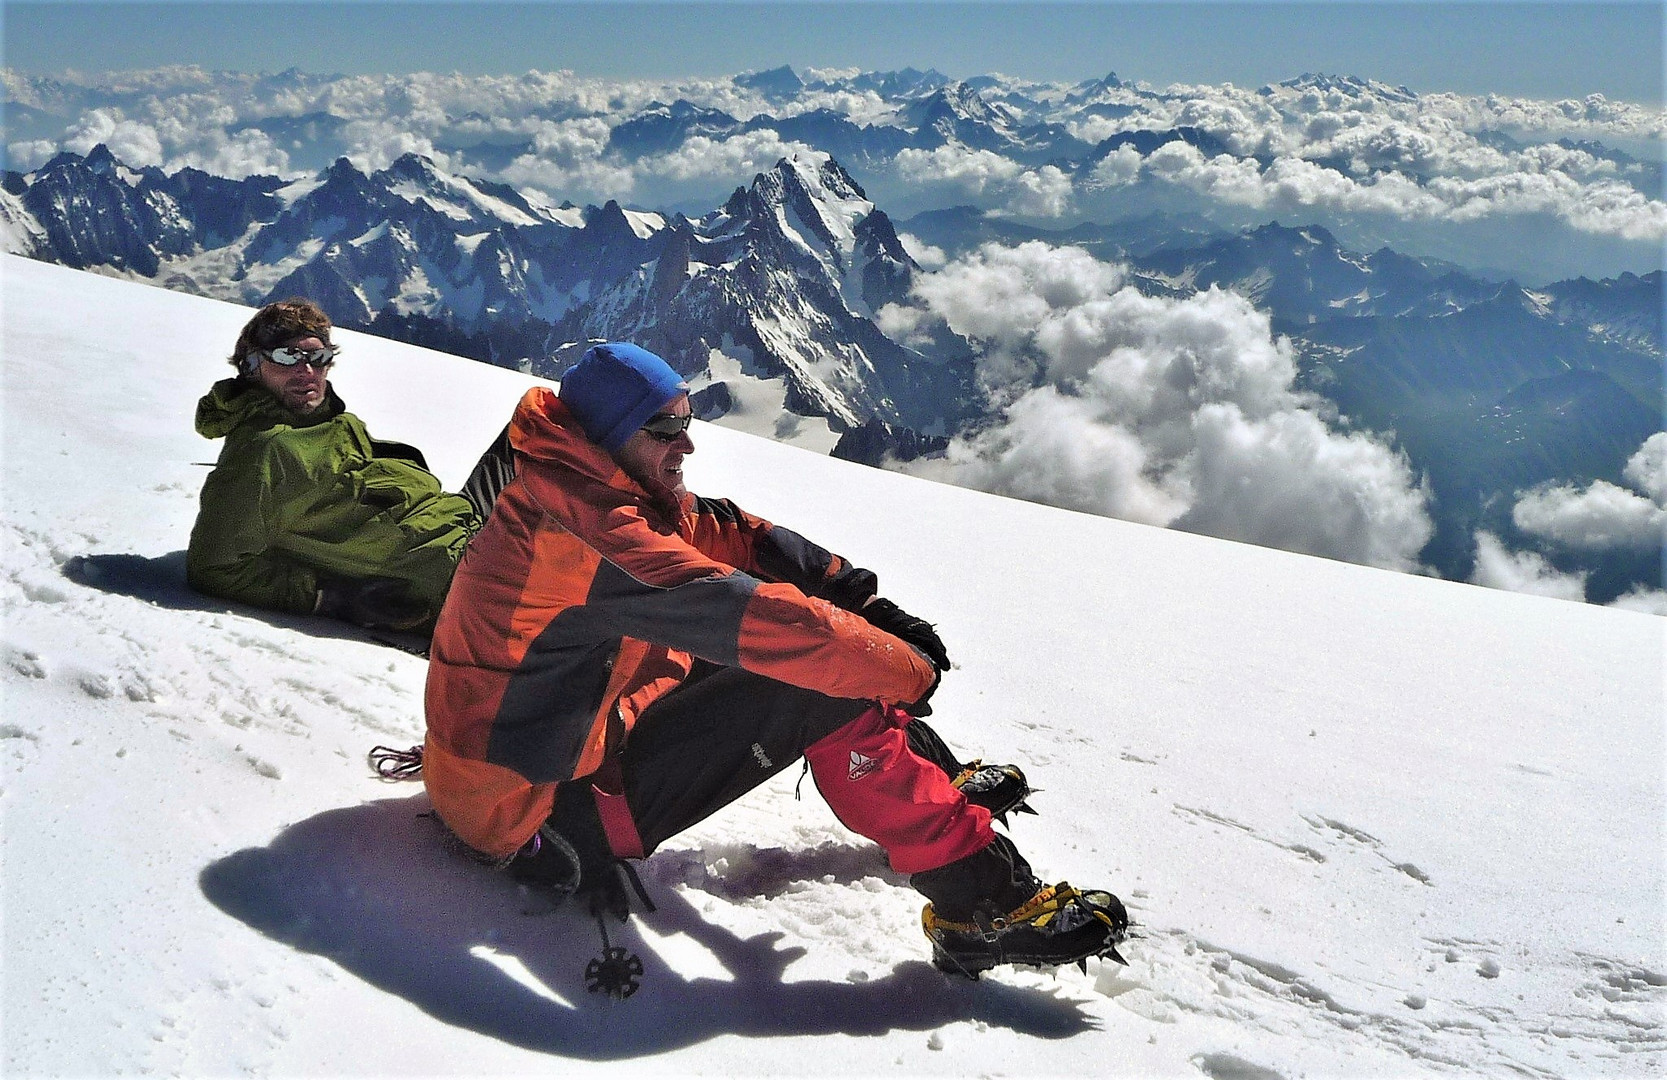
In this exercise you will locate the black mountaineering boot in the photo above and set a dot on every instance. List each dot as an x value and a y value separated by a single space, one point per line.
569 854
1000 789
989 909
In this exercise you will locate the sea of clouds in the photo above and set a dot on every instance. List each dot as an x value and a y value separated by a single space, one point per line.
1317 146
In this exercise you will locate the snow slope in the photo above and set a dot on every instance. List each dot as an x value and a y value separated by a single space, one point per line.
1369 824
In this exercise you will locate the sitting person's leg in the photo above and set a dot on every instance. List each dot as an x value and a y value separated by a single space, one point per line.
726 731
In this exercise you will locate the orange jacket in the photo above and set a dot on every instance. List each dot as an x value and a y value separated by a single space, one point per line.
582 601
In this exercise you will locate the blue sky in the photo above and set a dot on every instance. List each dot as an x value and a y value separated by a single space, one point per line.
1552 50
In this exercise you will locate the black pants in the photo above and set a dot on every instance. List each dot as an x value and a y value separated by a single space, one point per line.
722 733
719 735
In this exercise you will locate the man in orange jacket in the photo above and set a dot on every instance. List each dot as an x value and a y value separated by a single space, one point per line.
618 658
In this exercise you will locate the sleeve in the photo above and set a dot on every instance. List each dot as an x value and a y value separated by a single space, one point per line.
776 554
662 589
231 555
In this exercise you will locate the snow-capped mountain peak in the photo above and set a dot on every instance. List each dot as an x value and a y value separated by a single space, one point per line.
1350 86
413 177
793 268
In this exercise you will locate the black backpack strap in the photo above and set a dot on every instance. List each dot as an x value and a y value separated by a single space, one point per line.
492 473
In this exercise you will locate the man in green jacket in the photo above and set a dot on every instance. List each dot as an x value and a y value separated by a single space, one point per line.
304 511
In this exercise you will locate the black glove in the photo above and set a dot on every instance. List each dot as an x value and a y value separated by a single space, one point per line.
894 620
850 588
379 603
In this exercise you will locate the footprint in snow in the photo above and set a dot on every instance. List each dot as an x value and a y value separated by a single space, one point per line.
23 662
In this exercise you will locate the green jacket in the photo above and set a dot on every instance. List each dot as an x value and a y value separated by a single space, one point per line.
293 500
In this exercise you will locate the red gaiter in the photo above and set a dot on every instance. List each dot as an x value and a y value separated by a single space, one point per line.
877 787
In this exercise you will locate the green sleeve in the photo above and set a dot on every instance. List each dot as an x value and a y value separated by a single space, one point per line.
231 554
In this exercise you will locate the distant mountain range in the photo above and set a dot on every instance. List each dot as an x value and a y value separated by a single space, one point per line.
1535 190
786 274
1490 387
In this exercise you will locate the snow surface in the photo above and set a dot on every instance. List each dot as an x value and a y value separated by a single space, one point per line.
1368 823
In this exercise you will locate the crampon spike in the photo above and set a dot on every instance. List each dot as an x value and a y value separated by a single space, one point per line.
1016 808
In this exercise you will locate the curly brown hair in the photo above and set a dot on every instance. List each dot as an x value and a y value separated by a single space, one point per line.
278 323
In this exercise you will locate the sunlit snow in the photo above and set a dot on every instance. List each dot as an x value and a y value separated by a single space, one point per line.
1369 824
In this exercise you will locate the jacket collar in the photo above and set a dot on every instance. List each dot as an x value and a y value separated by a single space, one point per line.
234 403
544 428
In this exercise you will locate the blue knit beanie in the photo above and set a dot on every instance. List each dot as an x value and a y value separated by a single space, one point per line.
614 388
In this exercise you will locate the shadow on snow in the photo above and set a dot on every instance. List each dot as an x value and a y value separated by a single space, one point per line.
160 581
374 889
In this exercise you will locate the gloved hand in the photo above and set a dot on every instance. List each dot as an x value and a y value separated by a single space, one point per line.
894 620
378 603
851 589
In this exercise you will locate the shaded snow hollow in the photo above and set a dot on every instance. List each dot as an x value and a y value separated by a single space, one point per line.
1368 823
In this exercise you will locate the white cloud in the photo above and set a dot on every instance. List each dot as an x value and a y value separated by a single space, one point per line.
867 107
1095 129
732 160
1168 412
971 170
1497 567
1005 296
30 154
247 153
376 144
1592 117
594 180
1596 518
1287 481
928 256
1119 168
1642 598
133 142
1604 206
567 162
1057 448
1647 469
1603 516
1045 193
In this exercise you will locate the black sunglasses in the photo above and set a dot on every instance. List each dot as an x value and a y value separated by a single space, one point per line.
316 358
667 426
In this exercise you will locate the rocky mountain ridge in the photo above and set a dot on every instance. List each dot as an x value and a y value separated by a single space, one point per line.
1491 387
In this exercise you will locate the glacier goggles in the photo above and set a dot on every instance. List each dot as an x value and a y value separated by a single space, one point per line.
667 426
289 356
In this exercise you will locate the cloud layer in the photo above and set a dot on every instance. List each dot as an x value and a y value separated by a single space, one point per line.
1162 411
1318 145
